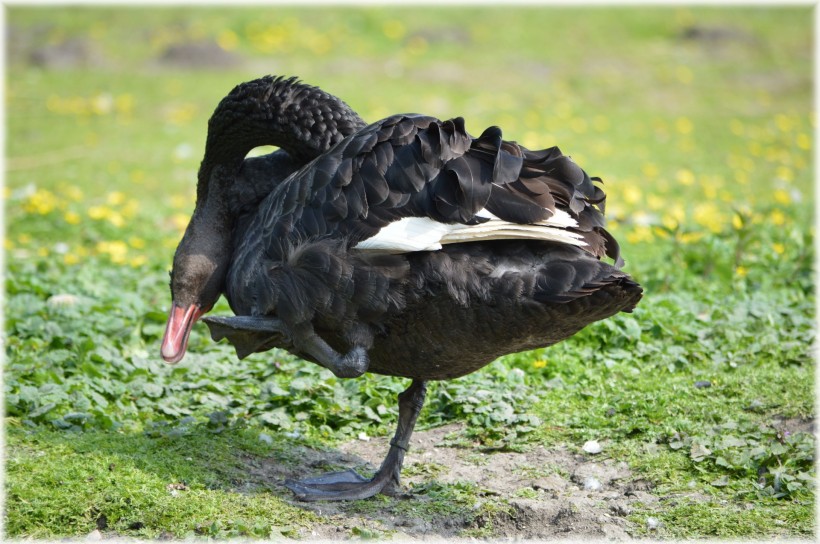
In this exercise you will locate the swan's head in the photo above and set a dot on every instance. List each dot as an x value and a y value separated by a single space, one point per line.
197 280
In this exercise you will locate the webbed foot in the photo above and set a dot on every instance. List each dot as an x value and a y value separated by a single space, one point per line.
250 334
341 486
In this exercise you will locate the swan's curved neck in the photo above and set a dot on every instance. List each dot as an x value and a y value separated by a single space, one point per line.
300 119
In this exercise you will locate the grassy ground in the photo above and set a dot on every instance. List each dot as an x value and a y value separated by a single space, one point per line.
697 119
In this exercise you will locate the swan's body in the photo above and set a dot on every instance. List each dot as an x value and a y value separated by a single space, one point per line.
407 248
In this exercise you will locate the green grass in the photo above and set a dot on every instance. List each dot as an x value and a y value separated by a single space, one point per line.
705 147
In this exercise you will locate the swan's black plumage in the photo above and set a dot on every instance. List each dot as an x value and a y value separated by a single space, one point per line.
289 254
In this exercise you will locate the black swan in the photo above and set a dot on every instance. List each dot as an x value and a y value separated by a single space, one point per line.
406 247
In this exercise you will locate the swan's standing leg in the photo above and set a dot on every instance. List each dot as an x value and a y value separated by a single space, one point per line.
349 485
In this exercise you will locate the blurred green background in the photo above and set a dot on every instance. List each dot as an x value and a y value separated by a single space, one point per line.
699 120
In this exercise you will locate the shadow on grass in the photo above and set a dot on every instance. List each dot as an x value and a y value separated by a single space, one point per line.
196 483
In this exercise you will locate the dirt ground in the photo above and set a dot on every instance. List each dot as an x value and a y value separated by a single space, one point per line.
551 494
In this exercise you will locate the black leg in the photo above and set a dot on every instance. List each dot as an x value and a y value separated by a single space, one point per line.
349 485
351 365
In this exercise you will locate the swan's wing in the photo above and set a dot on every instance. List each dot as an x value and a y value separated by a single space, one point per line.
411 166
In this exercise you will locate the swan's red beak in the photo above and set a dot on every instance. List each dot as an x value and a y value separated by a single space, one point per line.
180 322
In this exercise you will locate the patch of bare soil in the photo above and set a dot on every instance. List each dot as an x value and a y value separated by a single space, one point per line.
537 494
199 54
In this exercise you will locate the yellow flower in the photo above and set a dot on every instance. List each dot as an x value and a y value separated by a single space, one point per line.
685 176
115 249
72 192
99 212
41 202
578 125
781 196
684 74
684 125
737 221
227 40
600 123
640 234
777 218
784 122
72 218
531 140
181 114
116 219
755 148
689 237
136 243
71 258
180 220
540 363
708 215
179 201
650 170
115 198
670 222
655 202
137 261
736 127
741 177
130 208
741 271
124 104
394 29
786 174
778 248
709 191
803 141
632 194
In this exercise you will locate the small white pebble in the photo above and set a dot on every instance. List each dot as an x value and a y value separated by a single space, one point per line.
653 524
592 484
61 248
266 438
592 447
94 535
62 299
183 151
364 437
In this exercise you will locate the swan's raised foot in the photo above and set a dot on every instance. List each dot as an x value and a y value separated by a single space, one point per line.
250 334
347 485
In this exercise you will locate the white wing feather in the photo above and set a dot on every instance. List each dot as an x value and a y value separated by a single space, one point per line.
425 234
